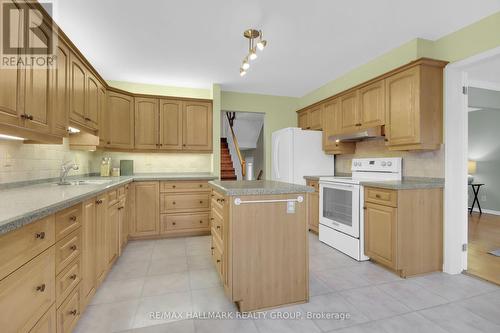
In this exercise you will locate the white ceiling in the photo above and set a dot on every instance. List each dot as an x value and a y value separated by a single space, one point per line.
194 43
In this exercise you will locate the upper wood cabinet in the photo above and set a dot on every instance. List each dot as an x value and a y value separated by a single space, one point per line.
349 113
310 119
103 116
77 90
171 124
331 126
61 91
372 105
414 107
197 126
146 123
92 103
120 129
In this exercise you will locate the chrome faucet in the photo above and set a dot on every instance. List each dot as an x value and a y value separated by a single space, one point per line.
65 168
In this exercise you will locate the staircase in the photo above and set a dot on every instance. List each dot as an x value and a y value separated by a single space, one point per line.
226 163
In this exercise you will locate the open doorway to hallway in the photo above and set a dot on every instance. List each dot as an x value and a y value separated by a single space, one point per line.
242 146
483 257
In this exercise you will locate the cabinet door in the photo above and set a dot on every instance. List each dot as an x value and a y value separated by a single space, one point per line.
77 99
349 120
111 235
314 211
38 89
146 123
315 122
11 90
330 123
61 91
170 124
197 126
380 234
372 104
101 222
145 208
92 103
402 108
89 246
303 120
120 121
103 116
122 226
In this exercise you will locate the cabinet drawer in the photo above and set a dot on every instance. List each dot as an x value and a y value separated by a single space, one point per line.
184 186
381 196
184 221
218 201
68 221
28 293
184 202
314 184
69 312
67 250
112 197
19 246
121 192
46 324
67 280
217 258
217 225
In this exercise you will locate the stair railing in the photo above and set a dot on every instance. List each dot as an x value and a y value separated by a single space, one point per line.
230 117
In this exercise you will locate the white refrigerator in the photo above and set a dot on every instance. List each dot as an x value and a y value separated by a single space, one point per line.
297 153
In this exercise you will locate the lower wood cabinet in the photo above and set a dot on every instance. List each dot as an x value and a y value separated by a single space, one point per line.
89 250
145 209
111 234
313 206
46 324
100 237
69 312
403 229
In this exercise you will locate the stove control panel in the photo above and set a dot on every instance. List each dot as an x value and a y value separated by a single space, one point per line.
380 164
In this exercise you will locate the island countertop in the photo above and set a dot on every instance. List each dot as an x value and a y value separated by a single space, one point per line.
21 205
257 187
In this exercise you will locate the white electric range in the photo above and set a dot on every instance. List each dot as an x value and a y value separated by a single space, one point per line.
341 213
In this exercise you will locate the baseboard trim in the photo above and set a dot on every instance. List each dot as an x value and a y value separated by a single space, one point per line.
487 211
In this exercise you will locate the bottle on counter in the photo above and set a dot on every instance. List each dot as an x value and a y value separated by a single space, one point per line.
105 167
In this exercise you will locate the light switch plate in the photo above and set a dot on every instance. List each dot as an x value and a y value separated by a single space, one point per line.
290 207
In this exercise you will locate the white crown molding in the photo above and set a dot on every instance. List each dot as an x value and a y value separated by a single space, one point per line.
484 85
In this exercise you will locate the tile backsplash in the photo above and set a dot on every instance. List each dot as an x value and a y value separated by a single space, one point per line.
415 164
22 162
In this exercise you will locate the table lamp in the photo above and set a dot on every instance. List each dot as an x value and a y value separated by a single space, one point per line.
472 168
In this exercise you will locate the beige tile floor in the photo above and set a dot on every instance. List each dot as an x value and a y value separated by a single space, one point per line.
176 275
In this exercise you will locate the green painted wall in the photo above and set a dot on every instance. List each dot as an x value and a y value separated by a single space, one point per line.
216 107
153 89
473 39
279 113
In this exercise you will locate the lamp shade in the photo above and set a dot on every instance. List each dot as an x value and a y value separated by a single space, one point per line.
472 167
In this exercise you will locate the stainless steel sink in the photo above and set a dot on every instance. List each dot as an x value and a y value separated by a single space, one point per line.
86 182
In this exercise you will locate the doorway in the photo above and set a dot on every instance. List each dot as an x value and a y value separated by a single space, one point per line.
472 214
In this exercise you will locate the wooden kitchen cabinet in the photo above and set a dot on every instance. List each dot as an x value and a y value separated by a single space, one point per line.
61 91
171 116
92 104
120 129
349 113
123 224
197 126
414 107
371 105
112 234
145 209
89 251
77 90
103 116
313 206
403 229
331 127
310 119
146 123
101 223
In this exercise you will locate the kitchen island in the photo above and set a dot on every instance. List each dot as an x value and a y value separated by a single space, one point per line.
260 242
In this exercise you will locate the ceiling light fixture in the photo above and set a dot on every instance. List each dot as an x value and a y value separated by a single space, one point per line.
252 35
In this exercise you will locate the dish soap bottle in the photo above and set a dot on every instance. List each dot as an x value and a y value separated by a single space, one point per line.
104 167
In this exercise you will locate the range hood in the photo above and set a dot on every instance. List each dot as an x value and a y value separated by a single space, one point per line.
369 133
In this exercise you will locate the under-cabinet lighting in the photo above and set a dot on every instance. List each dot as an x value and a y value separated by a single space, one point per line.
10 138
73 130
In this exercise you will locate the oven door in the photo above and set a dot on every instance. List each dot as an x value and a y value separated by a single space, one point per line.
339 207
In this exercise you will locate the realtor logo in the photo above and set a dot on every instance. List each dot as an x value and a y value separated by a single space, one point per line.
27 38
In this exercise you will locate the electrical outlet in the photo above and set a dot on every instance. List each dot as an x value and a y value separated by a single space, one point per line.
483 197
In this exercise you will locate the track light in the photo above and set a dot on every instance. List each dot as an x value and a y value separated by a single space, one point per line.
245 65
243 72
253 54
261 44
253 46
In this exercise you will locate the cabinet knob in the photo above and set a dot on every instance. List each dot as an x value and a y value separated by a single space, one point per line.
72 218
218 227
73 248
364 207
173 186
184 145
212 218
73 277
87 119
201 185
173 202
109 142
377 196
73 312
201 221
386 140
201 201
173 223
40 235
211 248
218 261
41 288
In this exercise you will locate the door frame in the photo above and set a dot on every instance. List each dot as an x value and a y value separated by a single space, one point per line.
456 155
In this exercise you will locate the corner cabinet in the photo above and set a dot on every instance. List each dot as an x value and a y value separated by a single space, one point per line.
120 121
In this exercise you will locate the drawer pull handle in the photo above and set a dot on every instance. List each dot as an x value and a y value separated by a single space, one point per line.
211 248
40 235
41 288
218 261
201 221
99 201
173 186
173 223
72 218
201 201
72 277
73 312
218 227
201 185
377 196
212 218
73 248
173 202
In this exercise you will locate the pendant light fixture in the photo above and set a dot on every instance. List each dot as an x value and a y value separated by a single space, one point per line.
252 35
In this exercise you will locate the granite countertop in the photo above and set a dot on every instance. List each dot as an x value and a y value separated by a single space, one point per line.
257 187
407 183
22 205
